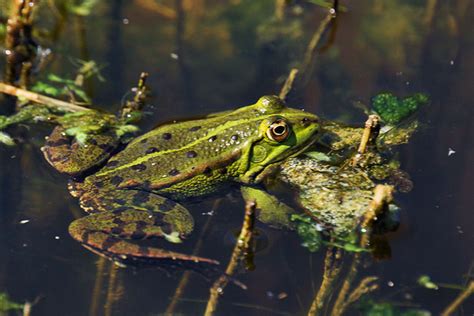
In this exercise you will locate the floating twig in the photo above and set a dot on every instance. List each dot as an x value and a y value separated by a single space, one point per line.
241 248
41 99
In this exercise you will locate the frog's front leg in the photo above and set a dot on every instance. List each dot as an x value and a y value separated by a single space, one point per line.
271 211
69 156
136 215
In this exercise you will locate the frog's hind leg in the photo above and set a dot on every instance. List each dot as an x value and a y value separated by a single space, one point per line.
69 156
132 216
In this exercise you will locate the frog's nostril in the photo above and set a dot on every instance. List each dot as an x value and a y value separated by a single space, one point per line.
306 121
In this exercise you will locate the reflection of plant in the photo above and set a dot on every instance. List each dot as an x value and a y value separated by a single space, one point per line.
308 231
80 7
392 32
372 308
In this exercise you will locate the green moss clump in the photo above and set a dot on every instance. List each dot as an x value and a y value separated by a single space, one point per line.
392 110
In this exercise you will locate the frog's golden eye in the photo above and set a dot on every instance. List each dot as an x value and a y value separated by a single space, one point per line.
278 131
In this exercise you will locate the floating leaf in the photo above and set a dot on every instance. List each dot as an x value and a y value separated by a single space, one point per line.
426 282
6 139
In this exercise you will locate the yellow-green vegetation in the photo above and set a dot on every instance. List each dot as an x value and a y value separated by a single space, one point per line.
7 305
334 191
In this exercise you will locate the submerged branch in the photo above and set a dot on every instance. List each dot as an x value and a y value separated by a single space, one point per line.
41 99
382 196
332 268
183 282
240 250
464 295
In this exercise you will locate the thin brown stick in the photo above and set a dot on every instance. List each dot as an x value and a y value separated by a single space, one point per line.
288 84
332 268
365 286
464 295
41 99
240 249
313 43
371 130
170 310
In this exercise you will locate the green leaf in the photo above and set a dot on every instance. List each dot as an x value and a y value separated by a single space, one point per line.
46 88
124 129
318 156
426 282
6 304
56 78
6 139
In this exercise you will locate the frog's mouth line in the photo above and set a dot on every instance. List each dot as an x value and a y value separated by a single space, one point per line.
304 148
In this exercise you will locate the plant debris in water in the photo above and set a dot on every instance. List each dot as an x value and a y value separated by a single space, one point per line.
335 193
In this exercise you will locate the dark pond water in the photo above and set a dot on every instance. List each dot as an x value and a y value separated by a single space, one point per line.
229 54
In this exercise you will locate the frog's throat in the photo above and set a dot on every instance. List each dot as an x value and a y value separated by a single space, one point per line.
258 173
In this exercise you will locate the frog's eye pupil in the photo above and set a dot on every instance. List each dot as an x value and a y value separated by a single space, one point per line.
279 130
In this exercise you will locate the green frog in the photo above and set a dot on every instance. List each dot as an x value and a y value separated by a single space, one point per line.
134 193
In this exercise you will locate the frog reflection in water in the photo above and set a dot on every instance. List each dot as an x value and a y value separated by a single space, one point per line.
135 194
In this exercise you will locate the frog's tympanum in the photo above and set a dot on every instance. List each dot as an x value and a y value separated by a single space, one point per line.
135 193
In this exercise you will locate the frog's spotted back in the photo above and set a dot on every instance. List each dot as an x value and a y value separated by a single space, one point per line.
136 194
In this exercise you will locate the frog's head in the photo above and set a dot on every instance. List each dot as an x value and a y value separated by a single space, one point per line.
283 132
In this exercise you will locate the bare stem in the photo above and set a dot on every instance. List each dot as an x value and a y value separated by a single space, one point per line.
240 249
288 84
332 268
41 99
464 295
371 131
183 282
382 196
313 44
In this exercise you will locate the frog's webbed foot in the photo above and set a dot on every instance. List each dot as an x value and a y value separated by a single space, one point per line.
106 233
270 210
68 156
